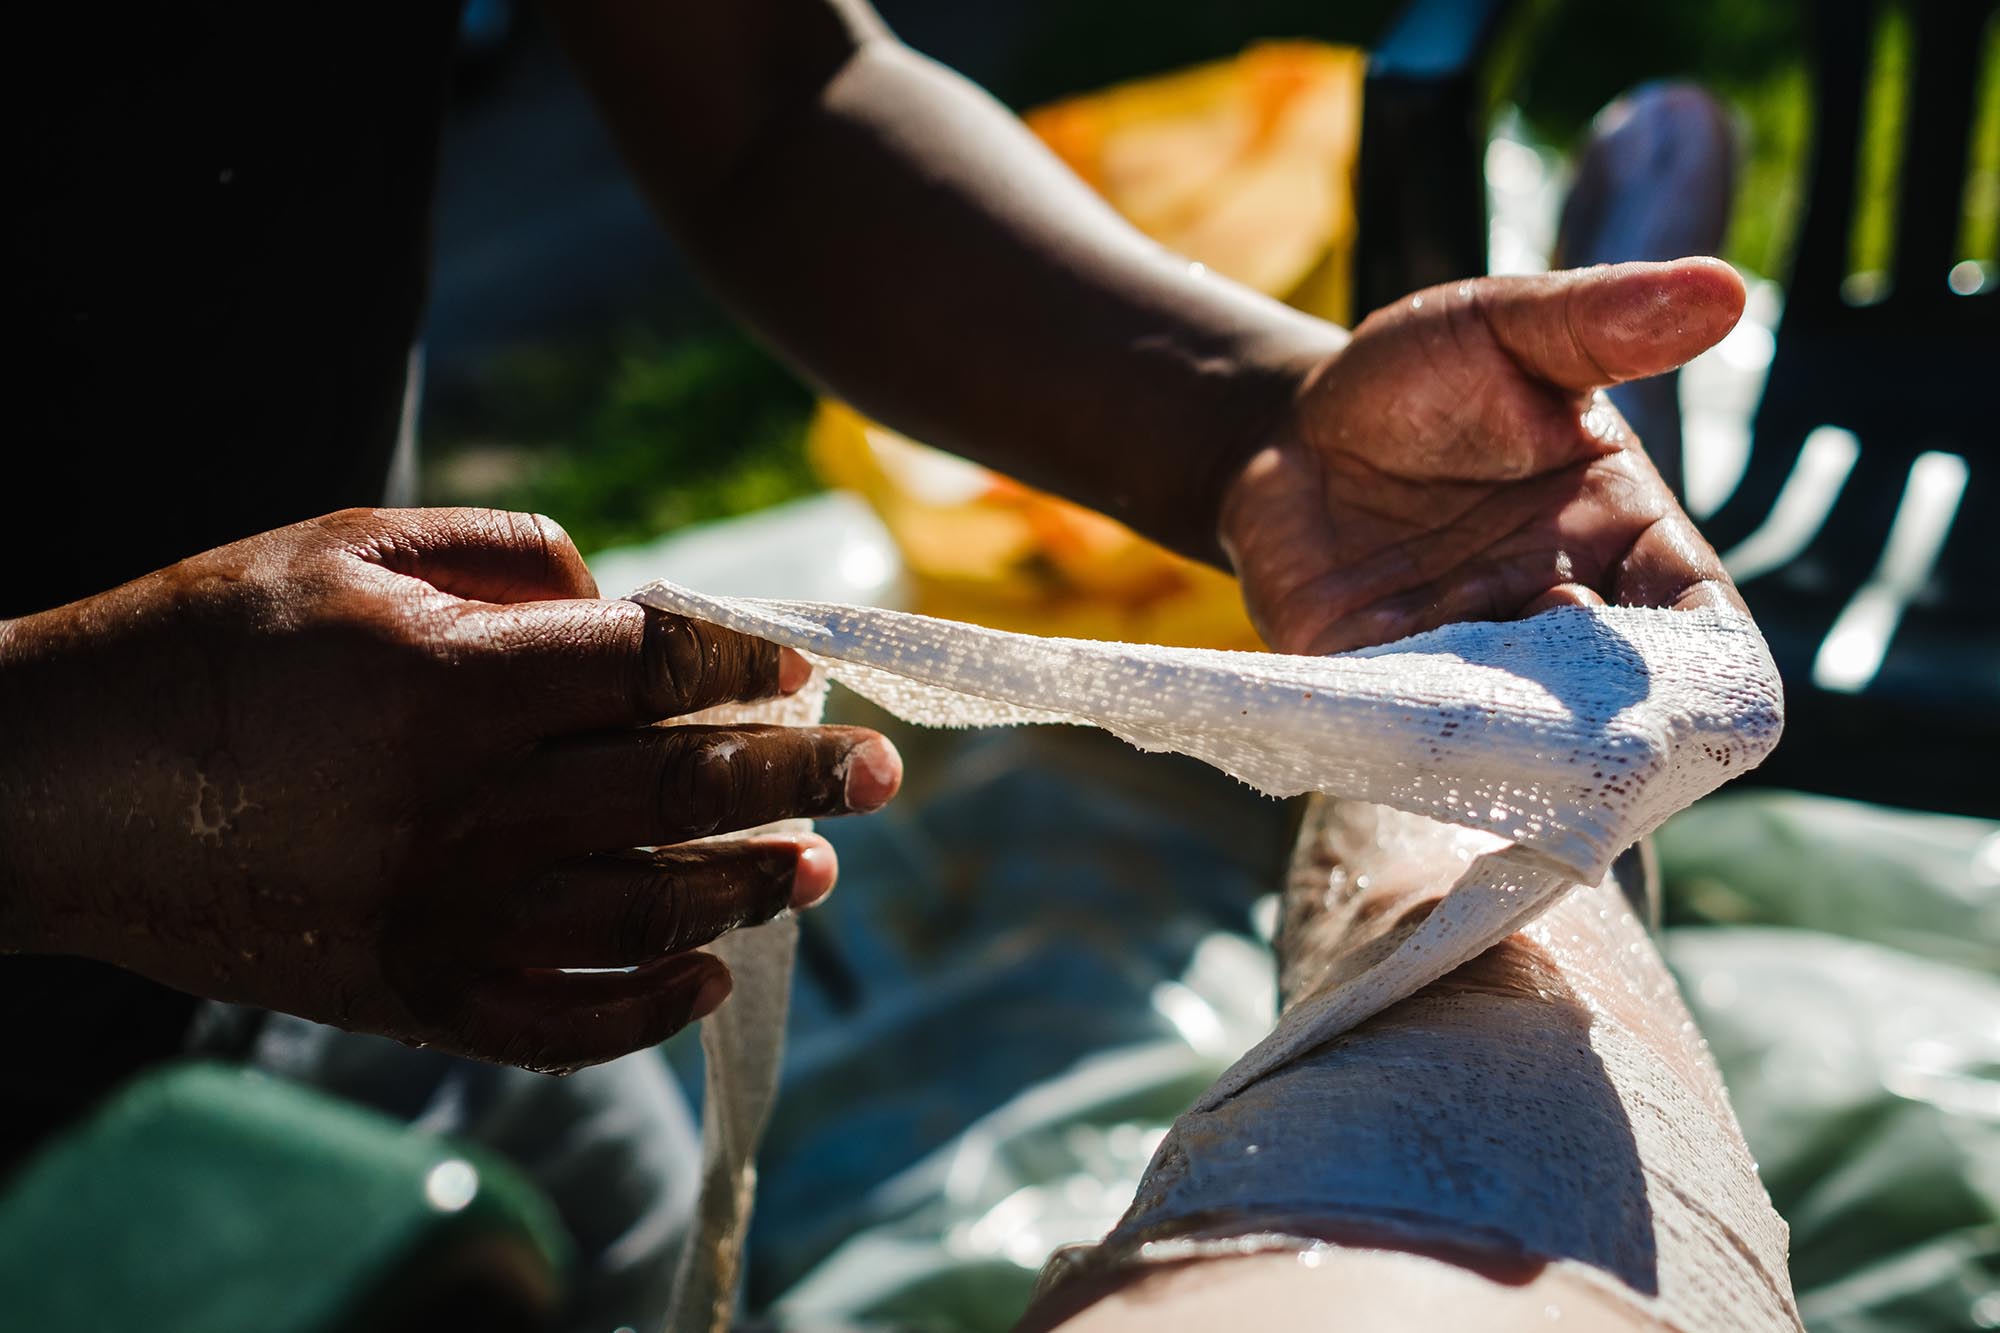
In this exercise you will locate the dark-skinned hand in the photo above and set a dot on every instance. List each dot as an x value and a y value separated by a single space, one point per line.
386 770
1455 461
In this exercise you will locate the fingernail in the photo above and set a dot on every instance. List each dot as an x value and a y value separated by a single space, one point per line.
711 995
813 878
793 671
874 771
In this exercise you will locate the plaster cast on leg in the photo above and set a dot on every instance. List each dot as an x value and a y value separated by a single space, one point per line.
1545 1112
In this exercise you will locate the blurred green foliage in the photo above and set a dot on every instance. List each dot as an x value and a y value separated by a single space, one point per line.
624 438
1751 53
628 436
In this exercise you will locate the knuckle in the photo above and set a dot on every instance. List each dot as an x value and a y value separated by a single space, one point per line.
692 665
550 555
648 922
546 533
677 663
474 519
528 537
348 523
427 644
702 787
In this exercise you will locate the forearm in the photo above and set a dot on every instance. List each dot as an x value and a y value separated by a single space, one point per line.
25 918
13 908
105 791
911 246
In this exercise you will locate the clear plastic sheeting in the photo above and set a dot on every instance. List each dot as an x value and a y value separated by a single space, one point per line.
1844 961
1038 956
1928 885
1868 1081
956 1238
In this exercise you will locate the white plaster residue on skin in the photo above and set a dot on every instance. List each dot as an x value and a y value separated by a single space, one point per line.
871 760
1602 422
213 809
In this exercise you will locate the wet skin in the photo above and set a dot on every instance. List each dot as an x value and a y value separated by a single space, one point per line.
377 769
1500 1109
1455 462
1446 461
385 770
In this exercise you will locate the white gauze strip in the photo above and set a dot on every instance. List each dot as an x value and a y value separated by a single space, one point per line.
1570 735
742 1047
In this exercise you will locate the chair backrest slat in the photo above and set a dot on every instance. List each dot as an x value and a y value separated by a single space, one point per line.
1937 130
1938 101
1843 32
1419 184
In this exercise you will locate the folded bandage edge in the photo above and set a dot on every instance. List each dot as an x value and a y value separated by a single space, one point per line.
1572 733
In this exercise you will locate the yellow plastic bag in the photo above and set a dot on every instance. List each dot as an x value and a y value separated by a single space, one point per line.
1245 166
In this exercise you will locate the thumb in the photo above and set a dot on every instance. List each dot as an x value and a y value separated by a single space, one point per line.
481 555
1582 329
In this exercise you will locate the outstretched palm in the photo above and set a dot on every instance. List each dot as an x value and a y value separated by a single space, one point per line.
1455 462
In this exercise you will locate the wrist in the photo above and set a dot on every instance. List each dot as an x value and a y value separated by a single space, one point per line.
93 804
1278 428
57 782
24 924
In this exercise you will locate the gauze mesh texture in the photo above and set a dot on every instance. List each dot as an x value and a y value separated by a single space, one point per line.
1569 735
743 1046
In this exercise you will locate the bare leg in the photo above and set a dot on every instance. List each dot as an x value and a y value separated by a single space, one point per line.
1539 1131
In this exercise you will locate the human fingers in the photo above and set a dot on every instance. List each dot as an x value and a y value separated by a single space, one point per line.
1672 565
628 908
556 1022
657 785
1582 329
482 555
577 665
1563 594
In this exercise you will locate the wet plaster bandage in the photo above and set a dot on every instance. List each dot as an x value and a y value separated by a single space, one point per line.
1565 738
1543 1106
742 1046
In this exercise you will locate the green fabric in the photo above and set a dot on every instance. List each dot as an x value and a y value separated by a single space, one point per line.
212 1199
1926 884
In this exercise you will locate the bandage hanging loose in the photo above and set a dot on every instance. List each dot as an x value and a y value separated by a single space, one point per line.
1570 735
